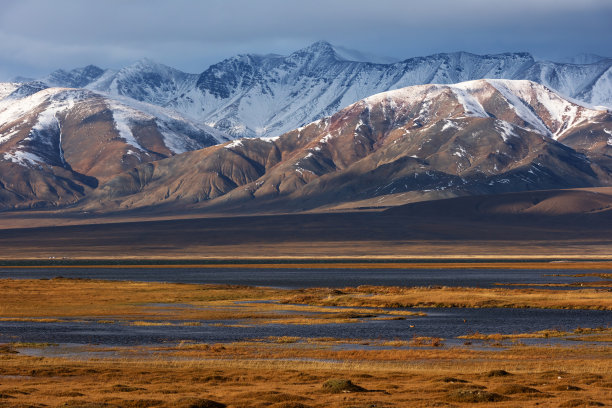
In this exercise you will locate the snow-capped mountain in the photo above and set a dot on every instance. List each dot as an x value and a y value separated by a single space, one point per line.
146 81
254 95
415 143
58 143
76 78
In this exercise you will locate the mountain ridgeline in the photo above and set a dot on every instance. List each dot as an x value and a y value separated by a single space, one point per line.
253 95
319 130
416 143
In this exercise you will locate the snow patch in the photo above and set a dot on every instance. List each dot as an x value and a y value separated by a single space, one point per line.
448 124
609 132
471 105
506 129
8 136
520 107
326 138
23 158
122 116
269 139
461 152
235 143
6 88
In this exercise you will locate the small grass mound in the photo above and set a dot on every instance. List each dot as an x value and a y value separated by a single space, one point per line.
425 341
198 403
336 386
580 403
472 395
290 404
509 389
7 349
554 374
68 394
452 380
85 404
498 373
567 387
125 388
215 378
138 403
271 396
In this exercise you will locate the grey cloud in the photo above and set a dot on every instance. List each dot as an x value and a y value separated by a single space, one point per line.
37 36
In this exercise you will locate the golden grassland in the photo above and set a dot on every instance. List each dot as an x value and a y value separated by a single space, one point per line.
602 334
283 375
141 301
389 297
289 371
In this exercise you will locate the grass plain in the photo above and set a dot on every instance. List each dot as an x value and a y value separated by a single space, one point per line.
286 372
290 371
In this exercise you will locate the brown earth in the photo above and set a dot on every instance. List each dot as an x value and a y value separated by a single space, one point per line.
559 224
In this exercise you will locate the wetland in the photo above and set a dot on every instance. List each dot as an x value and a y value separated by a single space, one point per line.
275 337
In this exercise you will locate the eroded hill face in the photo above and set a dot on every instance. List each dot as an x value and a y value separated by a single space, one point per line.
58 144
421 142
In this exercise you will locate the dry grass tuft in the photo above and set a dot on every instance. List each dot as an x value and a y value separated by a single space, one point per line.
86 404
498 373
336 386
290 404
124 388
581 403
7 349
452 380
423 341
197 403
468 395
566 387
510 389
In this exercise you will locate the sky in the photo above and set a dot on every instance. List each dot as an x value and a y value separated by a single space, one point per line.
39 36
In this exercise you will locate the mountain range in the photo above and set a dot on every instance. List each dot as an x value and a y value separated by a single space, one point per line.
415 143
254 95
321 130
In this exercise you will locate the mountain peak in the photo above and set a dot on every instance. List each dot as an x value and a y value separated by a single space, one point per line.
75 78
317 50
320 46
146 63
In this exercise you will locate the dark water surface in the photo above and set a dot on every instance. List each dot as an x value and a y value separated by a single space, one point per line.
447 323
304 278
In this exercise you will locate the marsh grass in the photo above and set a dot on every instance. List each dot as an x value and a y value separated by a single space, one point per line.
603 333
424 341
408 380
262 373
32 345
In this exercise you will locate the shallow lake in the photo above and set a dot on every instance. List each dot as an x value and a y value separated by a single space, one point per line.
447 323
304 278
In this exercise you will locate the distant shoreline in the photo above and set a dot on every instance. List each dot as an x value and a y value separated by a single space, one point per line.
321 263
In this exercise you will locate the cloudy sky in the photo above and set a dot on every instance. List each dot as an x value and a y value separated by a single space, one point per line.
38 36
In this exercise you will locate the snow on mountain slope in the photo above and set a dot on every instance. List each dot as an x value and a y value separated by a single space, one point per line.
7 88
420 142
76 78
45 107
267 95
588 82
145 81
58 143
